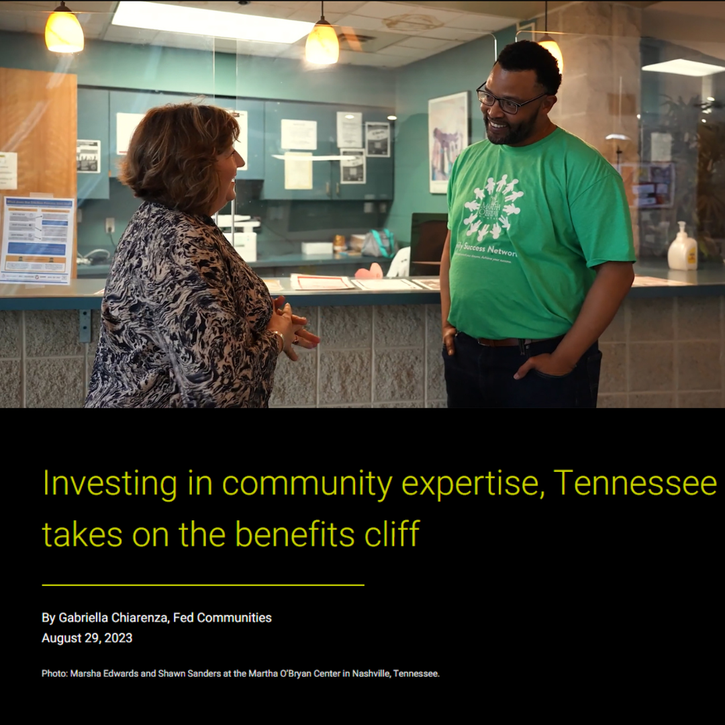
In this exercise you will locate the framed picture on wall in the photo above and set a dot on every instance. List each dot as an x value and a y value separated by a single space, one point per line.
447 137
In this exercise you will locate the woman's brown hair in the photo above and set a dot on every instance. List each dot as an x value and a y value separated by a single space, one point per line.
172 155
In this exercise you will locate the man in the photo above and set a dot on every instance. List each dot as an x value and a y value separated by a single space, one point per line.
539 252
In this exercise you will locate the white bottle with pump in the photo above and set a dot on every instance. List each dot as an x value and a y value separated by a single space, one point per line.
682 254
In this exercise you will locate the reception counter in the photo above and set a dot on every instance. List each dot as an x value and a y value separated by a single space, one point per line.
382 349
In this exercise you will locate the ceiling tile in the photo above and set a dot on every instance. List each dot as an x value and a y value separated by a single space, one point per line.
459 34
425 43
394 10
485 23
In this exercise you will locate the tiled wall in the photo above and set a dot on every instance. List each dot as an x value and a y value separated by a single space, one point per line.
665 353
662 352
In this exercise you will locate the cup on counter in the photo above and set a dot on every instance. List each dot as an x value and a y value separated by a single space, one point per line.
339 244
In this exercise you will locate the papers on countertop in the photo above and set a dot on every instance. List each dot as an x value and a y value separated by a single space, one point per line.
385 284
319 282
331 282
431 284
657 282
273 285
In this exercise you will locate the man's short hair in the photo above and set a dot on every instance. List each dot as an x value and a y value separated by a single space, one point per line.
172 155
528 55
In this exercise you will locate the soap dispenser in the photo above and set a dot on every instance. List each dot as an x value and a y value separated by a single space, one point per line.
682 254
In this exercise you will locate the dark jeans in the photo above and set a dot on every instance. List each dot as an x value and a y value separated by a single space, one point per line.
483 377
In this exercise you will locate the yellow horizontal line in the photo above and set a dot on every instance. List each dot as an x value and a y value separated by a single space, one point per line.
202 585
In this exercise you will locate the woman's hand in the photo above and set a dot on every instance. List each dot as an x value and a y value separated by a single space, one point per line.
291 327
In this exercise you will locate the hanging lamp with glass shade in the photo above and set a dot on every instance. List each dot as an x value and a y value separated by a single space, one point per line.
322 45
63 32
549 43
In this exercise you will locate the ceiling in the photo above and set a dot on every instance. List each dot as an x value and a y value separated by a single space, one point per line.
383 34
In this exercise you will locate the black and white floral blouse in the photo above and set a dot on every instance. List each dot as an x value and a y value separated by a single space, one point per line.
183 320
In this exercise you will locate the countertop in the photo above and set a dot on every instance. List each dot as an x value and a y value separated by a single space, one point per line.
336 259
86 294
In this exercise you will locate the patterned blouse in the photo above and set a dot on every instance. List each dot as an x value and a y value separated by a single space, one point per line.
183 320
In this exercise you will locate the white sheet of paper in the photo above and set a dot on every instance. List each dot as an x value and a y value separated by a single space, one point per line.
377 139
309 282
385 285
125 126
661 150
657 282
299 135
88 156
297 170
37 240
8 170
273 285
349 130
431 284
353 166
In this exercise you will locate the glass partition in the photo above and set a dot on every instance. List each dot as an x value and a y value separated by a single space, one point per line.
648 95
334 151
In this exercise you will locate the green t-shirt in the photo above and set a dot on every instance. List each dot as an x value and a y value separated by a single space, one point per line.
527 225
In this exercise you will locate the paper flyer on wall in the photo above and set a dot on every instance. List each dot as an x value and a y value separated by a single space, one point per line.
298 170
377 139
349 130
8 170
298 134
125 126
88 156
37 240
352 166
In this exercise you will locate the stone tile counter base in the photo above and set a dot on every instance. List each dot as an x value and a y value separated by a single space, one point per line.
665 352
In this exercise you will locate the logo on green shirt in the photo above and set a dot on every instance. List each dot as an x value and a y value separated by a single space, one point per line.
492 208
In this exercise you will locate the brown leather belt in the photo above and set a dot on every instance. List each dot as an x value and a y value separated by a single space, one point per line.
507 342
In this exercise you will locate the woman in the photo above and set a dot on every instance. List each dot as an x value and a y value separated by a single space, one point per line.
186 323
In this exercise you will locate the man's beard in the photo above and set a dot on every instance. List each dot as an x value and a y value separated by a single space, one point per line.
516 134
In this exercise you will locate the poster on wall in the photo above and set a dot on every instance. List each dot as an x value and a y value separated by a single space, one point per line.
349 130
298 134
352 166
88 156
297 170
125 126
447 137
37 240
8 170
377 139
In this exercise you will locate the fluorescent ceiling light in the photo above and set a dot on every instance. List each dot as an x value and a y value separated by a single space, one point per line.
684 67
213 23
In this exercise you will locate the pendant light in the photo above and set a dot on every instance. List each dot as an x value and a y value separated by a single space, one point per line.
63 32
549 43
322 46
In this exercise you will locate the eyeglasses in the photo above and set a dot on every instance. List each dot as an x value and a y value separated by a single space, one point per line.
507 106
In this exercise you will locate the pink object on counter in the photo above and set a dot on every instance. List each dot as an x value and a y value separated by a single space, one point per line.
375 272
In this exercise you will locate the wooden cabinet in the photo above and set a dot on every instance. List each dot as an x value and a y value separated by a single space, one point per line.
38 123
